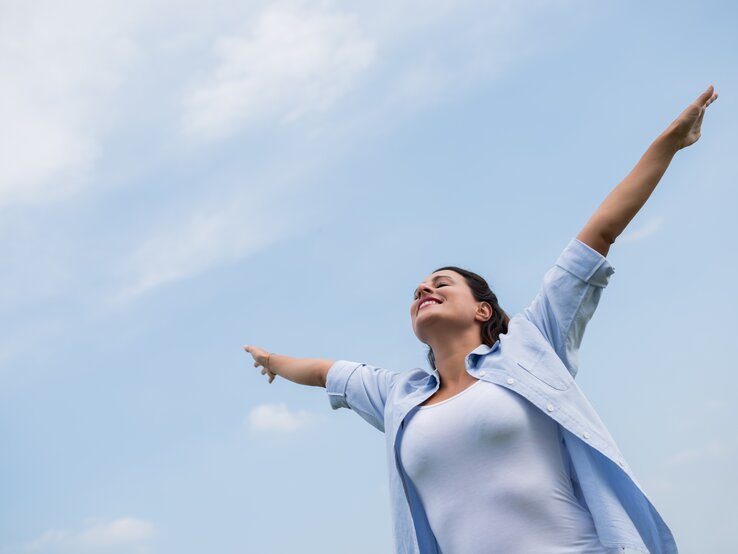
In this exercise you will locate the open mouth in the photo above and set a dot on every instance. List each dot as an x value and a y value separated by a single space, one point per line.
428 302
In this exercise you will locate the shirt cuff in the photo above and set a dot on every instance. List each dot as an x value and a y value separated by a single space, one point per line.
336 381
586 263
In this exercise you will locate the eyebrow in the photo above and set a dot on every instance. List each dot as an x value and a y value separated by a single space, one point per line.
436 278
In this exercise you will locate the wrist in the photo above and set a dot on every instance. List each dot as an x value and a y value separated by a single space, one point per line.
271 362
667 143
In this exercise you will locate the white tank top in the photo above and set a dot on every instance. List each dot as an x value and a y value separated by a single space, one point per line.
493 476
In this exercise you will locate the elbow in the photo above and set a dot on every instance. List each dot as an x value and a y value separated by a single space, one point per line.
599 240
322 377
608 238
604 241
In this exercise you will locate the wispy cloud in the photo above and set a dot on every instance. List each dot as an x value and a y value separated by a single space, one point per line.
289 61
60 62
276 417
710 451
65 64
295 59
223 228
647 229
127 533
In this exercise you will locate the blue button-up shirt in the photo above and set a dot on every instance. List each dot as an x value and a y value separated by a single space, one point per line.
537 358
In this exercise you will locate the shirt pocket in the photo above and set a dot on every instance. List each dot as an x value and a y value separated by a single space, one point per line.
548 369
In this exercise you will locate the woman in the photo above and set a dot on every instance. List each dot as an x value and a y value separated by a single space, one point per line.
497 450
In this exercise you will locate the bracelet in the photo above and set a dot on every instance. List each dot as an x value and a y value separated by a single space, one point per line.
267 364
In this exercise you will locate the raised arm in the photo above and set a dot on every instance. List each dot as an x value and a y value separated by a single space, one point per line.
621 205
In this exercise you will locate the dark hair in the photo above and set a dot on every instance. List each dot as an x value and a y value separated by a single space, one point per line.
495 325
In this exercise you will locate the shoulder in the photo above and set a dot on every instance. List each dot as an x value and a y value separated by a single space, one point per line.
522 338
415 377
519 325
412 381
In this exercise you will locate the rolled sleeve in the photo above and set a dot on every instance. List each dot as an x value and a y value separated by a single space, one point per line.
360 387
568 297
585 263
336 382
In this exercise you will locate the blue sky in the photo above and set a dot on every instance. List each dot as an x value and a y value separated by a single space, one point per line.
177 183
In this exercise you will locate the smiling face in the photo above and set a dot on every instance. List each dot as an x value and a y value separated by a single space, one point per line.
444 303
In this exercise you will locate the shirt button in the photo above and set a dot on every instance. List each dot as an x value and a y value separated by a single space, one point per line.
586 435
510 381
482 373
550 408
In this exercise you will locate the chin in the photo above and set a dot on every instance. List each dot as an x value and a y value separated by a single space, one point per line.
422 334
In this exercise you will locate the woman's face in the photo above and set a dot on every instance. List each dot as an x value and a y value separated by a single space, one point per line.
441 303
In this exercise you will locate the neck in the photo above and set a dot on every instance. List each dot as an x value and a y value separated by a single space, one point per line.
450 355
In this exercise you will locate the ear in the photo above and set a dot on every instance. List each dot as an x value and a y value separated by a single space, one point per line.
484 311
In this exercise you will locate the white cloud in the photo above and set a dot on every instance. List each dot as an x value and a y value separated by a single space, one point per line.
276 417
64 63
289 62
60 63
120 531
296 58
98 536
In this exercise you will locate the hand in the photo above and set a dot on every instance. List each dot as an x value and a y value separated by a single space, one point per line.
260 356
685 129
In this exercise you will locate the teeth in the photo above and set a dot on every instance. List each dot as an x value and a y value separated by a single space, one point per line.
428 302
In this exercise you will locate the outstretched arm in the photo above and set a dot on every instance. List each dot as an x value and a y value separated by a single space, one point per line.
621 205
360 387
303 371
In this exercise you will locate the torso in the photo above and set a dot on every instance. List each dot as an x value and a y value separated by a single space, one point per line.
493 475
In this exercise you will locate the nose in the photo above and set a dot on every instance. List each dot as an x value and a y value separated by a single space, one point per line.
424 288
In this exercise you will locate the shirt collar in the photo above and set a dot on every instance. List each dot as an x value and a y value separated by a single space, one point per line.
480 350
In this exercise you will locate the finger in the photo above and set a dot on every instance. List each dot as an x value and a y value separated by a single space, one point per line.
705 96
